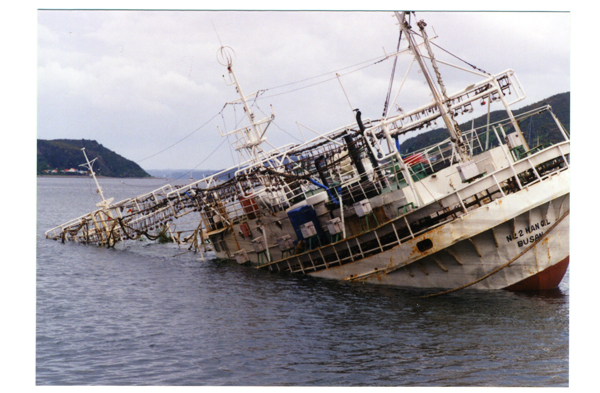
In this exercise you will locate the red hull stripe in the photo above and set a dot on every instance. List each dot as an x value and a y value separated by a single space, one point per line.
546 279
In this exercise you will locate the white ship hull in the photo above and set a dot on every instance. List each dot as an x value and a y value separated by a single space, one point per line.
512 247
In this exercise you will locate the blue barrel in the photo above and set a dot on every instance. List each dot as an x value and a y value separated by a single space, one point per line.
302 215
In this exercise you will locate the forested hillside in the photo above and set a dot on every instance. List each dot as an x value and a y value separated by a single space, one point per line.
64 156
543 128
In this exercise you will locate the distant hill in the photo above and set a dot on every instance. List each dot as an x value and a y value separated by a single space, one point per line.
543 127
64 154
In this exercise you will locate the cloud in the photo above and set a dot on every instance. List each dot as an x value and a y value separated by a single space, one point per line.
123 76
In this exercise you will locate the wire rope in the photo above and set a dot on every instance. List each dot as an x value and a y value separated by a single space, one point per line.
378 58
315 84
182 139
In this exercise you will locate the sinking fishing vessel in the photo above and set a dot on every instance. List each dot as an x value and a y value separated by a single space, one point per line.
481 209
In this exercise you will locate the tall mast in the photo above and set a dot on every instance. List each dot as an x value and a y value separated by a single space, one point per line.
249 138
440 98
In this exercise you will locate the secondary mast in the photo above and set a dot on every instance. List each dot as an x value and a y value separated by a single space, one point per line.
440 98
105 203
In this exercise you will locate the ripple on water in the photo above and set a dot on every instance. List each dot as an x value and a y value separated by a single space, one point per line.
139 315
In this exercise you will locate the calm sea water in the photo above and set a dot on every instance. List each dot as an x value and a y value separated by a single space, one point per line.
146 314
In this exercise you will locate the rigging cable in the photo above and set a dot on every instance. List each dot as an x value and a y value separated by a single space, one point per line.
182 139
387 98
318 83
186 173
464 61
379 59
453 55
276 125
203 161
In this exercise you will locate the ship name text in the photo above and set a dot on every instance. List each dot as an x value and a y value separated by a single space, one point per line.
527 231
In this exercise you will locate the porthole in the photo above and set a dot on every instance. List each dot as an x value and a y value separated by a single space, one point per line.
424 245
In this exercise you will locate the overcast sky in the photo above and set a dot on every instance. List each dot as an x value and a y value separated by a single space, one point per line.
140 81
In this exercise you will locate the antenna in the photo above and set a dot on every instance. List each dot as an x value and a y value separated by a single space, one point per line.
344 90
218 38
